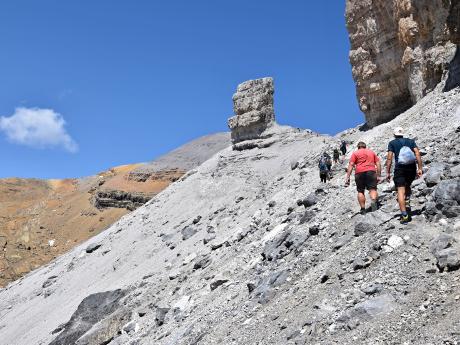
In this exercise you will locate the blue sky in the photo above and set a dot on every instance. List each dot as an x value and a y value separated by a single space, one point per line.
123 81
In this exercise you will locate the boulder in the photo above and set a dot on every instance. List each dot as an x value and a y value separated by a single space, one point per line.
253 108
447 192
370 222
434 174
374 307
446 254
90 311
448 258
455 171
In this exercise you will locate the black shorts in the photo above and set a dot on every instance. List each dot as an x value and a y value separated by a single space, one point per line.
404 176
366 180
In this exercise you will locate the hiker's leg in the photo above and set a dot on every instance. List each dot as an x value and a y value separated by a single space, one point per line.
408 191
373 194
402 198
362 199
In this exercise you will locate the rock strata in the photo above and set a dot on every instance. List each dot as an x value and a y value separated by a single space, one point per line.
400 50
120 199
253 108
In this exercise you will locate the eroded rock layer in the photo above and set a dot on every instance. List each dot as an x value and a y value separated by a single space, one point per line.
400 50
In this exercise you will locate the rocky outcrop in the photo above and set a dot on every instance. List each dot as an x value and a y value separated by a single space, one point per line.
119 199
400 50
90 312
170 175
253 108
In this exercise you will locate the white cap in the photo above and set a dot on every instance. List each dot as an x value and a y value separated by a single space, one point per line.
398 131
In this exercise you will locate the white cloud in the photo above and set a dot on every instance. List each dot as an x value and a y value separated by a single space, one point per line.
38 128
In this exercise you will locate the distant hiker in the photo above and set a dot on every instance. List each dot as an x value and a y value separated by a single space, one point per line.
408 167
367 174
328 161
336 156
343 148
324 166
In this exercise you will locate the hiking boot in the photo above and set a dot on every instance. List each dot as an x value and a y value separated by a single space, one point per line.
363 211
374 206
404 219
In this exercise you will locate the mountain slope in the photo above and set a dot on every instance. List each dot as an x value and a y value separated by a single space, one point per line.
41 219
227 254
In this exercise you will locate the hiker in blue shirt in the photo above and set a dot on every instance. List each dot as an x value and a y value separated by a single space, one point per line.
408 167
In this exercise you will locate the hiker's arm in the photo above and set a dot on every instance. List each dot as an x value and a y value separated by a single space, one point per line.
379 169
389 163
351 165
419 161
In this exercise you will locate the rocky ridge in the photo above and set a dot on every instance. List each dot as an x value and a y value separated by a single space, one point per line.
400 50
250 248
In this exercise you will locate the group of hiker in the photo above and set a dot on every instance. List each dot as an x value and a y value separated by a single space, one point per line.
325 162
367 166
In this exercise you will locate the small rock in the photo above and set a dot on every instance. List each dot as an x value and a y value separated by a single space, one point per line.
395 241
92 247
160 315
451 212
209 237
217 282
307 216
50 281
202 263
373 289
310 200
131 327
360 264
188 232
314 230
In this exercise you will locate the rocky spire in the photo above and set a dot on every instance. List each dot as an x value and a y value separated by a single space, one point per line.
253 107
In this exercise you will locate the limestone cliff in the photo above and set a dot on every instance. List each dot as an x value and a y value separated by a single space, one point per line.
400 50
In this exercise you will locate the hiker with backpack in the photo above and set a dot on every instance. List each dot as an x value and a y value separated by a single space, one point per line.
324 165
408 167
343 148
367 175
336 156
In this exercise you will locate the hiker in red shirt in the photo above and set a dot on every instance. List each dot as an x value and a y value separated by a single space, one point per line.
367 174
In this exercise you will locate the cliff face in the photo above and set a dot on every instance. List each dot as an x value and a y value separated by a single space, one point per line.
400 50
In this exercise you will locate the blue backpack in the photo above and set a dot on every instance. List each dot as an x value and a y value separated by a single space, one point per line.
323 164
406 156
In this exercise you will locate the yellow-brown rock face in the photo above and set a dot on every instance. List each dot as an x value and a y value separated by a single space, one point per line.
400 50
